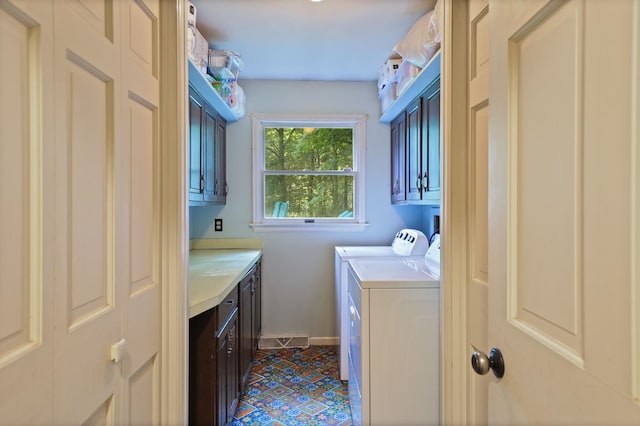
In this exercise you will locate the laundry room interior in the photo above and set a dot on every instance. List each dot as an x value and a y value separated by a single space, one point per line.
301 304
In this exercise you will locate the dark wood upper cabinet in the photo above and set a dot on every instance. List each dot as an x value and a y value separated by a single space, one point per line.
220 184
413 146
415 150
398 189
196 106
431 143
207 146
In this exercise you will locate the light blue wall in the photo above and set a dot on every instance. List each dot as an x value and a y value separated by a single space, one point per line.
298 271
427 219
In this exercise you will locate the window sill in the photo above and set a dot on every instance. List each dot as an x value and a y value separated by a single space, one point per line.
309 227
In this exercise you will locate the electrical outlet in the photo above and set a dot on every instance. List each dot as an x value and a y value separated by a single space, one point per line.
217 225
436 223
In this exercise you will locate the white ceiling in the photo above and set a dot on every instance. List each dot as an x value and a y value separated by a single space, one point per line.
334 40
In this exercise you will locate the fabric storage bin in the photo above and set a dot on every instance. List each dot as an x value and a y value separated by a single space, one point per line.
388 95
388 72
198 54
407 72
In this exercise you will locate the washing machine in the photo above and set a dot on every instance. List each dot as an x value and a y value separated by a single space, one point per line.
406 243
394 340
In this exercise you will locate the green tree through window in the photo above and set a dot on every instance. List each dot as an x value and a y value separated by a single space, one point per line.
310 171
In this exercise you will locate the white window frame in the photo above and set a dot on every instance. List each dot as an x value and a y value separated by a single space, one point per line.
355 122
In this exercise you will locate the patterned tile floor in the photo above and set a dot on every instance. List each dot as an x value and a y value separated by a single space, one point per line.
294 387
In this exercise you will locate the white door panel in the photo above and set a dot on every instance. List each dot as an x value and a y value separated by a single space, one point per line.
79 258
86 382
139 259
20 176
563 160
26 128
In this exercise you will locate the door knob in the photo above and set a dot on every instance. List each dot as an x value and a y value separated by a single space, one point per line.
482 363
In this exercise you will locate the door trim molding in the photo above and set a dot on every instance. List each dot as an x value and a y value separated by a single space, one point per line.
174 214
455 237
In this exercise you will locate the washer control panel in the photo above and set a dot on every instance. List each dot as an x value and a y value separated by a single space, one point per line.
410 242
434 249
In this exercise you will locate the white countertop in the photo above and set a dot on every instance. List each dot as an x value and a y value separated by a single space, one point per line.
213 273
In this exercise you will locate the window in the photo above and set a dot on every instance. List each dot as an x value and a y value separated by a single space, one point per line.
308 172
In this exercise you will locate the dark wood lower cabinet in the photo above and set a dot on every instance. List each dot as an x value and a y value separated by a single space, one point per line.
222 344
202 368
250 312
257 310
228 378
245 324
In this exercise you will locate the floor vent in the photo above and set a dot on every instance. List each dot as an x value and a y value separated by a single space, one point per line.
281 342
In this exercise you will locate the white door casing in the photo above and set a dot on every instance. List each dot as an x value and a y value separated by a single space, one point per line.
455 218
465 276
81 137
563 200
477 244
174 233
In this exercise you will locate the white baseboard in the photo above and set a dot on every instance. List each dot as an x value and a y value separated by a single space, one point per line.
323 341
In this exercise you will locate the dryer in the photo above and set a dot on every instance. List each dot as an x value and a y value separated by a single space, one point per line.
406 243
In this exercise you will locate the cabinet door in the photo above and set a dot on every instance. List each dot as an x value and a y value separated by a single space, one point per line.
227 372
233 372
398 159
431 142
221 186
196 106
414 151
209 154
257 309
202 368
207 150
246 326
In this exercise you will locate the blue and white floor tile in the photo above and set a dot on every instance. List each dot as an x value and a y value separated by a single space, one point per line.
294 387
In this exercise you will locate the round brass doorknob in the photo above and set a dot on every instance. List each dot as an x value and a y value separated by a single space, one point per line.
481 363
